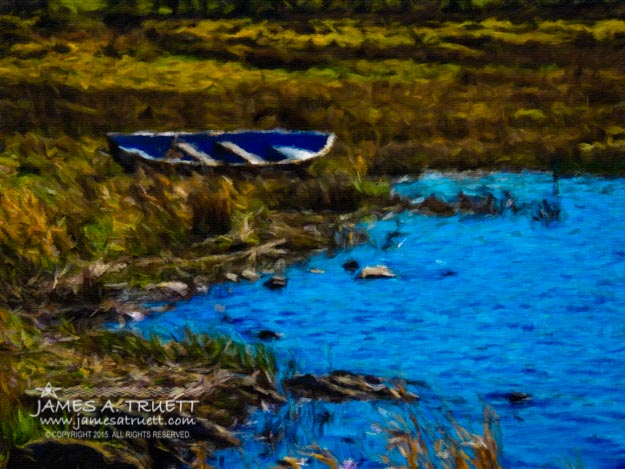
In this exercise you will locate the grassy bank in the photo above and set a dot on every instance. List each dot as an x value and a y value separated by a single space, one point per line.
400 96
225 379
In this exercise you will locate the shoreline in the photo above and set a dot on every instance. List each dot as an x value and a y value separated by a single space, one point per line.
59 328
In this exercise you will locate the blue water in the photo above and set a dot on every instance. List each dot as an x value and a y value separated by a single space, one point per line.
481 305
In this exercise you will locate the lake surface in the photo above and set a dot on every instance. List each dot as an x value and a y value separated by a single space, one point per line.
481 305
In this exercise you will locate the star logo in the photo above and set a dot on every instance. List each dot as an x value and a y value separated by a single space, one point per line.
48 391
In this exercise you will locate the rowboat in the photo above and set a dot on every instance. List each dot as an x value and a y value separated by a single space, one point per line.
218 149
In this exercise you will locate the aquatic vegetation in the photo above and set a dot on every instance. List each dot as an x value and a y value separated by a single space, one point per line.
413 444
423 446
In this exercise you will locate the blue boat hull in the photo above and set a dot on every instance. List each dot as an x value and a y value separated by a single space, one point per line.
211 149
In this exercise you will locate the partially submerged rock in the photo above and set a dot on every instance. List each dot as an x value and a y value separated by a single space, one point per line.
479 205
436 206
376 271
546 210
277 282
446 273
266 334
341 386
351 265
204 429
513 397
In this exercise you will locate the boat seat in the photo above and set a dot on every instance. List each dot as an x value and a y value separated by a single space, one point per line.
196 154
251 158
294 154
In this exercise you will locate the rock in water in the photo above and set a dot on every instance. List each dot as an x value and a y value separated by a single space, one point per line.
516 397
437 206
513 397
351 265
267 334
277 282
376 271
479 205
447 273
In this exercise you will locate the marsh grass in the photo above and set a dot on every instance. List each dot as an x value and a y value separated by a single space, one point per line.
69 356
414 443
401 96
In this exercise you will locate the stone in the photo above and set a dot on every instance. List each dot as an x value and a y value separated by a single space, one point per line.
162 308
341 386
516 397
135 315
232 277
179 288
437 206
267 334
513 397
351 265
249 274
447 273
277 282
350 236
478 205
375 272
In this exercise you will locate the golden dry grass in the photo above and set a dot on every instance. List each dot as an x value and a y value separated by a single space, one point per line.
400 96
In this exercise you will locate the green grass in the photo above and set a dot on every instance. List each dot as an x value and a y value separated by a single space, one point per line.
82 6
